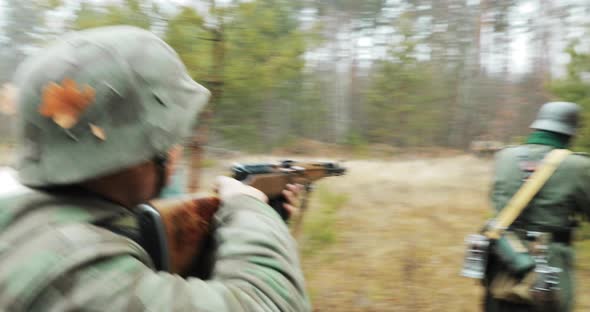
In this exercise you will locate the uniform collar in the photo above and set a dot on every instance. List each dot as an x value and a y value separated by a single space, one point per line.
553 139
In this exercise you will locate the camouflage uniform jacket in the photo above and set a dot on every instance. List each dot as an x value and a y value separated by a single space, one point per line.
53 258
564 196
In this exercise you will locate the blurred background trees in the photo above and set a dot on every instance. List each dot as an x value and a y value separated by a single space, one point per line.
406 73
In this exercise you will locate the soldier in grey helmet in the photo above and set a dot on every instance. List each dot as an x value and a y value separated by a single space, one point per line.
551 212
558 117
102 114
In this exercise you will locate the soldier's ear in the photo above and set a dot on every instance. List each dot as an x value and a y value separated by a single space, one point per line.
173 161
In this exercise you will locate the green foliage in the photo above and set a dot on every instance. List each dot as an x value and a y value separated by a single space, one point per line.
130 12
583 232
354 139
319 227
517 140
209 163
358 144
367 9
399 112
251 60
583 255
311 112
250 54
49 4
262 65
185 33
576 88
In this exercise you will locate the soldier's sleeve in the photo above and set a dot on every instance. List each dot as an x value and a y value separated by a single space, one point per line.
496 185
582 197
256 269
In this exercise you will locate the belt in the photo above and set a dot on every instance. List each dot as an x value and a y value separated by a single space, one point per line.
563 237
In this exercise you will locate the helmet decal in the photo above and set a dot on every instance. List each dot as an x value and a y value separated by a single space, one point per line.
65 103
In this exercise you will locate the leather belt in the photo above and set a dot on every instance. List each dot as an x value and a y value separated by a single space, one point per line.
563 237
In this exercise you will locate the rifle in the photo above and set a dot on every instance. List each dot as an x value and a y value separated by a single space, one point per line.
174 231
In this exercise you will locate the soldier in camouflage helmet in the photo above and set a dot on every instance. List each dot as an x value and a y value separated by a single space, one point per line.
564 196
102 113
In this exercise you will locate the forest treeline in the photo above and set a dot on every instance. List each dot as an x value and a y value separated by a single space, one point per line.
406 73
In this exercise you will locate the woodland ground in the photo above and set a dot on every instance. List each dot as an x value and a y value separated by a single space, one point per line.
388 236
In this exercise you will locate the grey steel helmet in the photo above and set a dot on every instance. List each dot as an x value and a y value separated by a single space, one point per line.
560 117
99 101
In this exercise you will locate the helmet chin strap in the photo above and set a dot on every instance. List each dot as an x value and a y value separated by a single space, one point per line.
161 162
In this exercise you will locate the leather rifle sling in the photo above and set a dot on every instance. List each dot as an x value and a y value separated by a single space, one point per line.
526 193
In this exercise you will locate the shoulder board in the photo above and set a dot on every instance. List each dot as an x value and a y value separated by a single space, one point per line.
508 147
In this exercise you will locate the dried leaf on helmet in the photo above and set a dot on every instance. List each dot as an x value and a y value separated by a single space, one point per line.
98 132
66 102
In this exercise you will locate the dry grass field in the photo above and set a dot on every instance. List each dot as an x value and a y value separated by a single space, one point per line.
389 236
398 237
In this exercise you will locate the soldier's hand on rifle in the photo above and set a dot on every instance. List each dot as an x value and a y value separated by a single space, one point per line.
228 188
292 201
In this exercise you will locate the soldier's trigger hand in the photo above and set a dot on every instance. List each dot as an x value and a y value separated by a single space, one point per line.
291 194
228 188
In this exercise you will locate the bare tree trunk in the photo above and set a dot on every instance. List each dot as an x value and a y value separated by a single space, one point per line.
215 82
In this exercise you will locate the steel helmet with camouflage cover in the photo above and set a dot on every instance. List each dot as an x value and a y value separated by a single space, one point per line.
560 117
99 101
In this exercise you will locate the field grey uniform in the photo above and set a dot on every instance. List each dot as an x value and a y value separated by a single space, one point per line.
565 195
94 103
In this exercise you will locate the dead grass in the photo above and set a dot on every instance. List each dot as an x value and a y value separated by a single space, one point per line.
320 226
399 237
400 234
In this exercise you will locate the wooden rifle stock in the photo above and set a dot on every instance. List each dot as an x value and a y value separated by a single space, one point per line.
180 232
